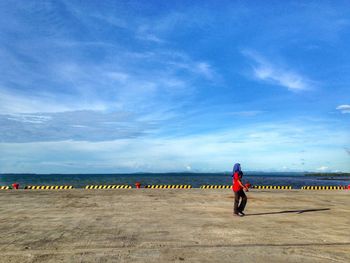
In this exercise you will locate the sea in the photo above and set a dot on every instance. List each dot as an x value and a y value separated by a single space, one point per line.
296 180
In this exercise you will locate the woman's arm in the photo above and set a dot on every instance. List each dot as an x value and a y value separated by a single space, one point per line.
241 184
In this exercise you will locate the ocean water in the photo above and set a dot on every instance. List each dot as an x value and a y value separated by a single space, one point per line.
296 180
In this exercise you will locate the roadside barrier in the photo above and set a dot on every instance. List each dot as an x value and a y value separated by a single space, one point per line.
274 187
216 187
271 187
169 186
48 187
107 186
323 188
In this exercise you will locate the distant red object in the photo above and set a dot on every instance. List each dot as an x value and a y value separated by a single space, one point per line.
349 187
15 186
138 185
247 185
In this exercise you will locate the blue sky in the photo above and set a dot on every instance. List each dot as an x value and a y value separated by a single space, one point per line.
159 86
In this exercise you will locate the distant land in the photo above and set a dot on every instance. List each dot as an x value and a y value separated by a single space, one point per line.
327 174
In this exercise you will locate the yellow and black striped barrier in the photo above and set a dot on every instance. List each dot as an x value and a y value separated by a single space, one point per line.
4 187
107 186
323 188
48 187
216 186
170 186
273 187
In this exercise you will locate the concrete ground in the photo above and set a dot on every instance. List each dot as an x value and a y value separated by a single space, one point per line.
173 225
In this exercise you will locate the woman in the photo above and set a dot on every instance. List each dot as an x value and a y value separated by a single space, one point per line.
238 187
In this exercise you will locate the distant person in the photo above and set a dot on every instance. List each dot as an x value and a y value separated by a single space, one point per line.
238 187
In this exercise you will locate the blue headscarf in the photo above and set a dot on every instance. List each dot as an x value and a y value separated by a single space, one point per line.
237 168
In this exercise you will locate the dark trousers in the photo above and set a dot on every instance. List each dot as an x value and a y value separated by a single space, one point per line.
239 207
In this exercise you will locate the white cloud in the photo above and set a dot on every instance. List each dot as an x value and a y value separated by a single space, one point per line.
322 168
205 69
265 70
28 118
199 68
274 145
11 102
146 33
74 125
67 73
249 113
151 37
118 76
123 81
344 108
290 80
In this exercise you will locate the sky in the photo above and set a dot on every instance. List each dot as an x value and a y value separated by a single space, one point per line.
172 86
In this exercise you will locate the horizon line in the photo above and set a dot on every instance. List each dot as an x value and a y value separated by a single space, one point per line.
183 172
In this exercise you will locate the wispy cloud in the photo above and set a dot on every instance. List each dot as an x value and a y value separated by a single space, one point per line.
28 118
57 75
201 69
249 113
127 153
105 83
75 125
344 108
14 102
323 168
267 71
150 37
205 69
92 87
144 32
110 84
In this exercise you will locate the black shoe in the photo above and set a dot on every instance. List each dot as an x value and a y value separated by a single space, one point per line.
237 214
241 213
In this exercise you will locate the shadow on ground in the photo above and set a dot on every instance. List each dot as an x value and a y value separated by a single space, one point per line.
290 211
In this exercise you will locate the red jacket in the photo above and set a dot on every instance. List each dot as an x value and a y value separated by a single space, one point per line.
236 186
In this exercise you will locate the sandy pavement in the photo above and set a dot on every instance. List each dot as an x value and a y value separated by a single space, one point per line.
173 225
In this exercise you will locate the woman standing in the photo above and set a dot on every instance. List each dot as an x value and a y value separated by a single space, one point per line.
238 187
